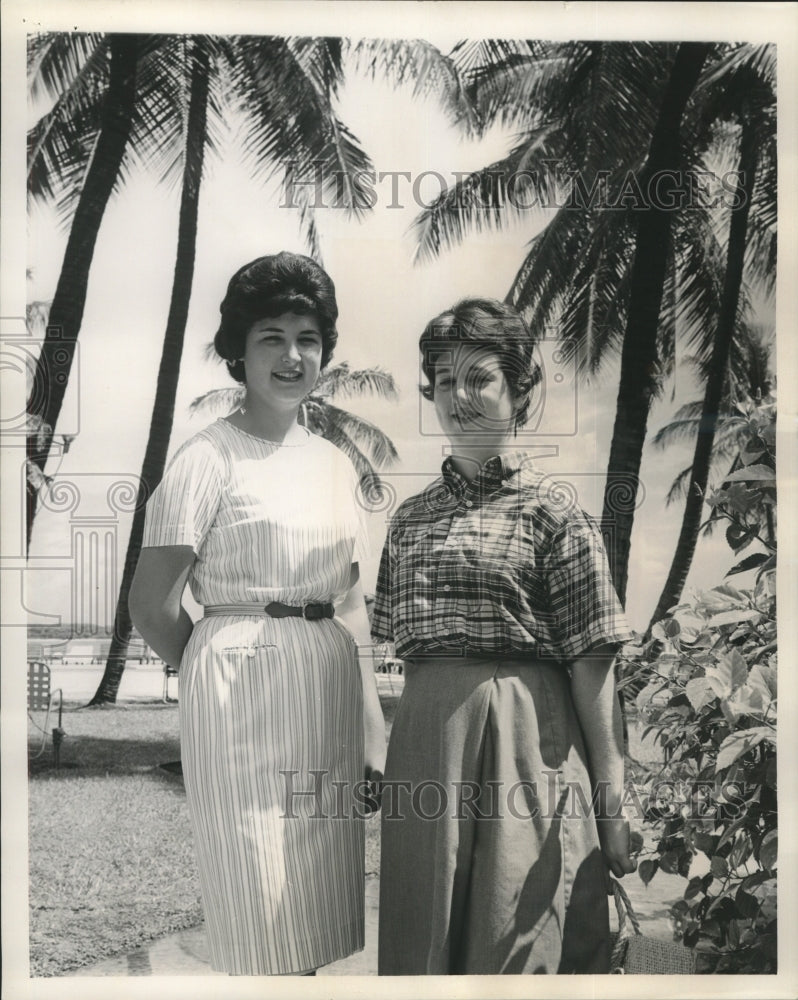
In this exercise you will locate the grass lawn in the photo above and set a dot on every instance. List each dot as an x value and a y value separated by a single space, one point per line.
111 859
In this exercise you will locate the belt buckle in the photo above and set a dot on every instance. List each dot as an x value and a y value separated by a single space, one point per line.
311 617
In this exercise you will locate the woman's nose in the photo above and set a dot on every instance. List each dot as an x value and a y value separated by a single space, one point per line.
291 352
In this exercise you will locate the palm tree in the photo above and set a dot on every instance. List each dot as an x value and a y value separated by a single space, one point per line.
587 112
365 444
753 103
612 279
68 68
198 59
638 386
287 87
117 105
751 378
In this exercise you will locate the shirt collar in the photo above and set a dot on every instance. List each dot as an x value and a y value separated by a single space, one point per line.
494 472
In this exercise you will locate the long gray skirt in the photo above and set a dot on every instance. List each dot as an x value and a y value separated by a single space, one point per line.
490 856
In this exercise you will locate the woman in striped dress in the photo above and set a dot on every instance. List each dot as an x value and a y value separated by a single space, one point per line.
495 588
279 724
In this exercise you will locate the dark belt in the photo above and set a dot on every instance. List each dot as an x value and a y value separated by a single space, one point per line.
275 609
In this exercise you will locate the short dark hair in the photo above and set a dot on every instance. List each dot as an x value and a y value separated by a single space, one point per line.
490 324
268 287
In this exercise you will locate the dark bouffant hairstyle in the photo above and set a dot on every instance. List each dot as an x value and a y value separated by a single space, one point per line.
493 325
268 287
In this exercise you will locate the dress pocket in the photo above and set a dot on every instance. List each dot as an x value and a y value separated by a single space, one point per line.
249 650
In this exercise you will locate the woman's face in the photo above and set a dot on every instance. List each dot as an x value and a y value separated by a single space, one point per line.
282 358
471 394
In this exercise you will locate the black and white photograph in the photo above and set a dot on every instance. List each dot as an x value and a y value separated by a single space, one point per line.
391 398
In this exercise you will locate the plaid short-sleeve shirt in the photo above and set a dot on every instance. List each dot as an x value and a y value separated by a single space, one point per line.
506 564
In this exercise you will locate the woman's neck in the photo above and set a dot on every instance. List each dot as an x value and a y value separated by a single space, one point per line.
279 426
469 458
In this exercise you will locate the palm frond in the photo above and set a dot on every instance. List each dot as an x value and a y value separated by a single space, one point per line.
59 143
734 58
370 439
292 125
341 380
218 401
489 198
63 63
420 64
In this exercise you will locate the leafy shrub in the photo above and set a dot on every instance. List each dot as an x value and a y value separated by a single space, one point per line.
710 701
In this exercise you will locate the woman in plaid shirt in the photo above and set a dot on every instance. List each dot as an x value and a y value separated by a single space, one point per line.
502 802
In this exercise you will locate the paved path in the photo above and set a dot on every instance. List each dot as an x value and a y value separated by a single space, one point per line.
186 952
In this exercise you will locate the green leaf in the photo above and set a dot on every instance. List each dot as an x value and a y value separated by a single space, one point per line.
722 598
752 473
737 497
737 744
751 453
669 862
645 696
719 867
748 701
768 851
732 617
763 679
647 870
729 673
742 850
694 887
747 905
700 692
730 712
750 562
738 537
739 669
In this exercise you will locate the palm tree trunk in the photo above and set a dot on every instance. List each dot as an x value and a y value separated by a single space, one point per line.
169 372
639 354
691 521
66 313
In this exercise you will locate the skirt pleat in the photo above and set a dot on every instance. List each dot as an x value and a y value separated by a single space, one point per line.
490 856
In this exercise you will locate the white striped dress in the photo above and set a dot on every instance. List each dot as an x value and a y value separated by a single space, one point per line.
270 709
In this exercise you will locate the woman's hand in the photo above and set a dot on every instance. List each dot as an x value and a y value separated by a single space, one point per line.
155 600
353 612
375 749
615 837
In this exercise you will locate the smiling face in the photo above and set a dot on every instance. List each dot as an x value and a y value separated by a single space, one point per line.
282 359
472 397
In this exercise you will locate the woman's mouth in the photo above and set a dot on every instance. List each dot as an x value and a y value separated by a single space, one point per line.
288 376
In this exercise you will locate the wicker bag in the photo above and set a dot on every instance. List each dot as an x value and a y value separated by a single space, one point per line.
634 954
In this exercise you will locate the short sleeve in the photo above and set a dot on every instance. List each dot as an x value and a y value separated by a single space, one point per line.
584 606
183 507
381 618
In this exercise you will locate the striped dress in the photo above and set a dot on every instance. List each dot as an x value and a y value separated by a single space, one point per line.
270 709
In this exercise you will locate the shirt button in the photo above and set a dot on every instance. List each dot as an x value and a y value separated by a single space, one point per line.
469 503
446 588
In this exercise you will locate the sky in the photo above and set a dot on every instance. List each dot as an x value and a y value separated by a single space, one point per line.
385 299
